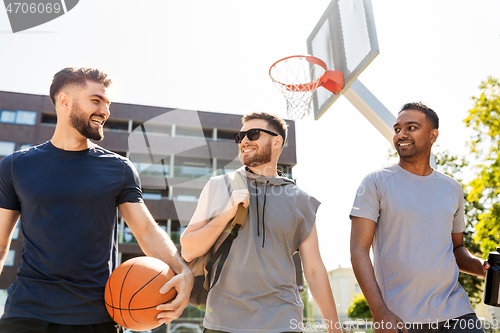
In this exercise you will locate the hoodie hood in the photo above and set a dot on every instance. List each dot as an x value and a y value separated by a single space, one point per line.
249 176
258 187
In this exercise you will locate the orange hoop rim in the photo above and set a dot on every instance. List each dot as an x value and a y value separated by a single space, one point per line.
308 86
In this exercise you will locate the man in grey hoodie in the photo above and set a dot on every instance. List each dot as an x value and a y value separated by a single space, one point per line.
257 291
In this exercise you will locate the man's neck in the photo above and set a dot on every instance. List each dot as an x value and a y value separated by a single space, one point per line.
420 168
266 170
66 140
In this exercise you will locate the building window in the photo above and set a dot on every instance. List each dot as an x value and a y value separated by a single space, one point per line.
128 237
229 165
191 167
49 118
116 125
8 116
22 146
15 234
3 298
9 261
18 117
26 117
156 128
151 194
186 194
208 133
136 124
226 134
143 165
189 132
6 148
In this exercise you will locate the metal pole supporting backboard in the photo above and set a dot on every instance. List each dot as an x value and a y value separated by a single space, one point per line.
376 113
373 110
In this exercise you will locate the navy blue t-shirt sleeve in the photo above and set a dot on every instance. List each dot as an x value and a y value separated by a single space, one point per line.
8 195
131 189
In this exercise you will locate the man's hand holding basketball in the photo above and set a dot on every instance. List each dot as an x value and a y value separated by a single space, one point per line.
183 283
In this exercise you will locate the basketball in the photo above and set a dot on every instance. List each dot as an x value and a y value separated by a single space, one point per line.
133 292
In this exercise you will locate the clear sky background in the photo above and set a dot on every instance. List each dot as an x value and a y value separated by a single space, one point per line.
214 55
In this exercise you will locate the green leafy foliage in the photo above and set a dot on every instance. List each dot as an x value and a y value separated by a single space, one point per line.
359 309
484 119
307 311
452 166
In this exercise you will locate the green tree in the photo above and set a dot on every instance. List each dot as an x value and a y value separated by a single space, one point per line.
307 311
484 119
359 309
453 167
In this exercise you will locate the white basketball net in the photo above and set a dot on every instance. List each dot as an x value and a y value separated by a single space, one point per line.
294 78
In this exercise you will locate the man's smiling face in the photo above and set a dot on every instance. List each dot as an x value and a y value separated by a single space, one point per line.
258 152
413 134
90 110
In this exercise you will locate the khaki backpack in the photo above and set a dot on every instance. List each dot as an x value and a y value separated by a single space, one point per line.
202 266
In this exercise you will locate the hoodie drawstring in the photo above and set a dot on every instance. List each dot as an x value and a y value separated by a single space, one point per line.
263 213
263 216
257 197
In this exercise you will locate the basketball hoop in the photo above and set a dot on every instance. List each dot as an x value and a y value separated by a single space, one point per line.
294 75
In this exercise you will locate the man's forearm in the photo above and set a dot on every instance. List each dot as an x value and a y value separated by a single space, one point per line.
198 241
362 233
321 291
156 243
8 220
363 270
467 263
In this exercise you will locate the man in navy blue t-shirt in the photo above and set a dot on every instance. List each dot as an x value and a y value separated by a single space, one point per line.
68 192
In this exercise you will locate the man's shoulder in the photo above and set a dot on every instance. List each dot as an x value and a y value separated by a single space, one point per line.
383 174
294 190
27 154
111 156
223 180
448 179
218 185
98 150
219 179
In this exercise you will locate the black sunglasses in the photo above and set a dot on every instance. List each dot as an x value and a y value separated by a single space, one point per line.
252 134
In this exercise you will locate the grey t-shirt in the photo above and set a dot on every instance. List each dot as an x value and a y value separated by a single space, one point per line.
257 291
414 262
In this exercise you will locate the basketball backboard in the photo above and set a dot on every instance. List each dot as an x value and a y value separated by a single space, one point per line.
346 40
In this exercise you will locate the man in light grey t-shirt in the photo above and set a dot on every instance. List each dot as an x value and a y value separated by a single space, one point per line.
413 216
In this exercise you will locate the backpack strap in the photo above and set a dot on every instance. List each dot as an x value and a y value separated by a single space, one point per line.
237 183
238 222
221 254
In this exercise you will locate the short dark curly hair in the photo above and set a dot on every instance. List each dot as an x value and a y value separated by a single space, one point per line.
77 77
429 113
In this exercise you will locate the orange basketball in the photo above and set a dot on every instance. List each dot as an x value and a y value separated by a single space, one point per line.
133 292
